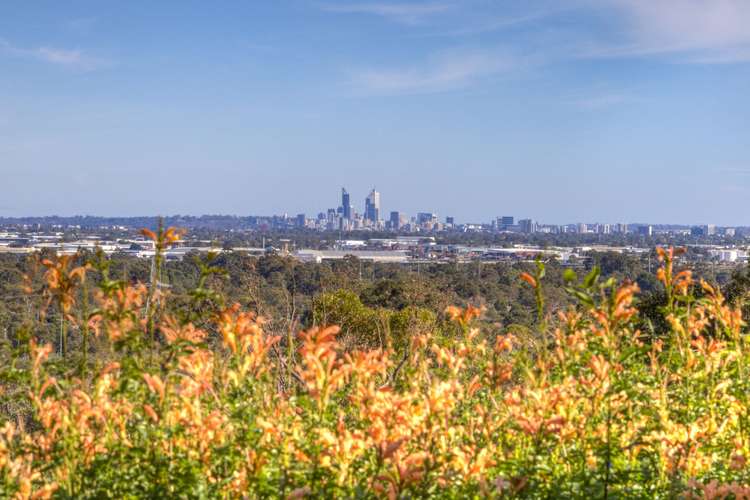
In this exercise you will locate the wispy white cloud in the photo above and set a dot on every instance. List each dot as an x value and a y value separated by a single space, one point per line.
697 31
406 13
723 56
75 59
689 31
487 20
60 56
455 18
442 72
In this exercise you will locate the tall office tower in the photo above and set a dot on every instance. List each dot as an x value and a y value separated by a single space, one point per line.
332 219
346 205
372 206
506 220
707 230
528 226
395 220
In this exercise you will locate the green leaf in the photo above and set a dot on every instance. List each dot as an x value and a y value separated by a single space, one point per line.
570 276
592 277
583 297
540 269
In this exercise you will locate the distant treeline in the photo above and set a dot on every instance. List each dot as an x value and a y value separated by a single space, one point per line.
187 221
285 290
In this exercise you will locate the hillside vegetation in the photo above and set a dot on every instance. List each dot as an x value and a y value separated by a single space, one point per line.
121 389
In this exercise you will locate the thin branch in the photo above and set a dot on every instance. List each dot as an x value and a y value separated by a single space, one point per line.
392 377
286 368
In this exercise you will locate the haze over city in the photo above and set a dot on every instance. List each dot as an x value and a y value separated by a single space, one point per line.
561 111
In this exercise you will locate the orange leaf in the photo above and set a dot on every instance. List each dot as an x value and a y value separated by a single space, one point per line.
529 279
148 234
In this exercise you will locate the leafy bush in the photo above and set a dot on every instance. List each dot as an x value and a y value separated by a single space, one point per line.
586 406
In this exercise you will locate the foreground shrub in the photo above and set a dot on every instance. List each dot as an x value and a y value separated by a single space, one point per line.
588 407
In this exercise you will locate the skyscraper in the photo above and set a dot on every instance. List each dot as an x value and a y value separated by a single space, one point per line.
372 206
707 230
395 220
426 218
346 205
528 226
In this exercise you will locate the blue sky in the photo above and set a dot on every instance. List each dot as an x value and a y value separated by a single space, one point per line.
579 110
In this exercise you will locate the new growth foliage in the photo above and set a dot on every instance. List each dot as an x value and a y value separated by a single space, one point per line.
590 407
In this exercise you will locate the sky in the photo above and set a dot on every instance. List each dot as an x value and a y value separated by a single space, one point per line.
561 111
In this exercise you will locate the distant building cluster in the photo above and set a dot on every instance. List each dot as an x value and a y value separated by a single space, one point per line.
372 217
346 218
137 246
706 243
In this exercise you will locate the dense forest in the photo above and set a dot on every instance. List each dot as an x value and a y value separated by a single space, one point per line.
237 376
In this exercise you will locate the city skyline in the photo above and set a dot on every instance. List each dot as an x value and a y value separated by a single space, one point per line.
346 213
630 109
346 217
